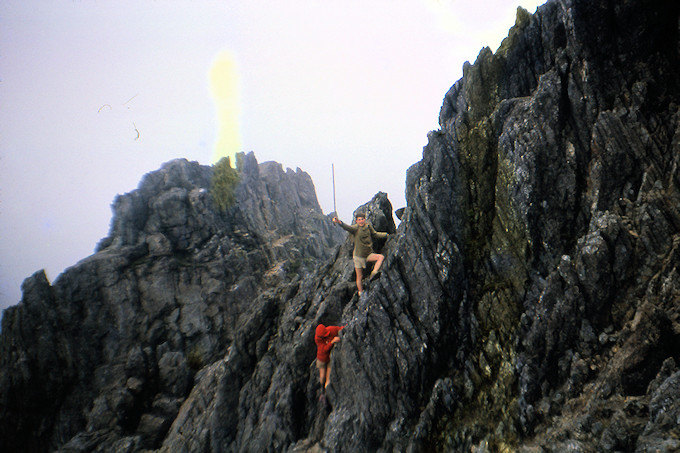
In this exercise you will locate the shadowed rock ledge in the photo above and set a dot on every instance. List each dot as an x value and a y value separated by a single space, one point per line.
529 300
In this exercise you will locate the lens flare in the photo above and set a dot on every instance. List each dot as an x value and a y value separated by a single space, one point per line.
224 84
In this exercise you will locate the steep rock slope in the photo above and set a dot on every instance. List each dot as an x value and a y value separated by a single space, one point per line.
111 348
559 156
530 296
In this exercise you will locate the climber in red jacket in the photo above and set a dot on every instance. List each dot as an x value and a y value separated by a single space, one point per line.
325 338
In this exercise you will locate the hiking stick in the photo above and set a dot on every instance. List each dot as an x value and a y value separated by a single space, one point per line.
335 210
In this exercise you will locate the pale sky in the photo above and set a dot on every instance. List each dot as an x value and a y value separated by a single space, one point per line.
96 93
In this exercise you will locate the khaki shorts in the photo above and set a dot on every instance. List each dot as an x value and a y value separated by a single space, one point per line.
320 365
359 262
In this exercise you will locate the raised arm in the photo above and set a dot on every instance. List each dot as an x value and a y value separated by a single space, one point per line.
349 228
334 330
377 234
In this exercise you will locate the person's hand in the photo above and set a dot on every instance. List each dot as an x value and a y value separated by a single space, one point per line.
335 340
336 220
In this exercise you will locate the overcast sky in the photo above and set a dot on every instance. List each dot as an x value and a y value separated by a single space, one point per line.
95 94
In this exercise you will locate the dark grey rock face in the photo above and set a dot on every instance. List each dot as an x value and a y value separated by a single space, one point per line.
555 177
528 302
108 353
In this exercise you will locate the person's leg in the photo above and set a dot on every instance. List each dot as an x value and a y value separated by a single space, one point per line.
323 373
328 375
323 376
360 274
359 266
377 259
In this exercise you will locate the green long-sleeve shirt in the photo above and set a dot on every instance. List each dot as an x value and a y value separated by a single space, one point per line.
363 238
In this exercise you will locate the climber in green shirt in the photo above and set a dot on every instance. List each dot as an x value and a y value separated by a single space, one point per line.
363 234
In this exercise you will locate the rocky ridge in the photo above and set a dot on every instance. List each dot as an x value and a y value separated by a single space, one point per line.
529 299
112 346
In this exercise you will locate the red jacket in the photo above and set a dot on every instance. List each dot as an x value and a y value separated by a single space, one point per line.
323 337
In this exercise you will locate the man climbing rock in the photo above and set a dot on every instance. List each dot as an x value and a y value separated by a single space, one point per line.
363 235
325 338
